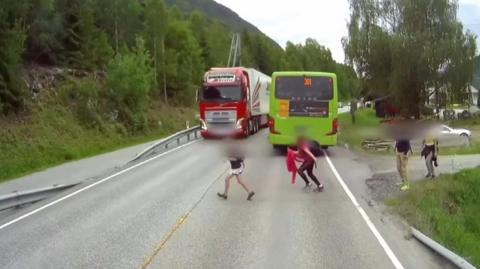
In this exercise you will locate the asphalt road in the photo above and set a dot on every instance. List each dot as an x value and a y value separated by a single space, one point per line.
165 214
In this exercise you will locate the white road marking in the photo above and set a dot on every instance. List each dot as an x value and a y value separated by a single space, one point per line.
90 186
383 243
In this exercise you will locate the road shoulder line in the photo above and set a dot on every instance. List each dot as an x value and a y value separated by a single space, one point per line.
90 186
396 263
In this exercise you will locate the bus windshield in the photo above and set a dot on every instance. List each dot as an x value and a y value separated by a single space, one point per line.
304 88
222 93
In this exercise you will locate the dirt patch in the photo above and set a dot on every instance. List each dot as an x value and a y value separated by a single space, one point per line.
383 186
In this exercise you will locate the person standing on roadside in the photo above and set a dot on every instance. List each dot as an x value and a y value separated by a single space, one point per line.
430 153
237 164
353 109
402 150
308 164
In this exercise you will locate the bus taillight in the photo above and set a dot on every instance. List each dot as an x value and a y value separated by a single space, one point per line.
271 125
335 126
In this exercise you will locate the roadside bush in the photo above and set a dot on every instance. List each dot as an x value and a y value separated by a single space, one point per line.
85 95
130 79
427 111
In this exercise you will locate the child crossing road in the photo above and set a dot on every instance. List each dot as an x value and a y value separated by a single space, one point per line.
309 163
237 165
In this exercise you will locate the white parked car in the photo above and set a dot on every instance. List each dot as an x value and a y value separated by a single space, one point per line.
446 130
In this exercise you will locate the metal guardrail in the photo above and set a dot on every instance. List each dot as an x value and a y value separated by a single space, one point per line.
19 198
191 134
446 253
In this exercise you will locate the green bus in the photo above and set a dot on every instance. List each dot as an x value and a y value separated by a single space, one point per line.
306 104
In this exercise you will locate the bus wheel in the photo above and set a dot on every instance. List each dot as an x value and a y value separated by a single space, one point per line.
280 150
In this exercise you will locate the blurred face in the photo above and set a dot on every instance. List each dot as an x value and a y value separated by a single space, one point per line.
301 140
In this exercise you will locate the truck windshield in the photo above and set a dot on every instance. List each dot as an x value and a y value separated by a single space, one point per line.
222 93
300 88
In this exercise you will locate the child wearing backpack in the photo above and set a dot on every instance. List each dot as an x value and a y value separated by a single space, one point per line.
309 163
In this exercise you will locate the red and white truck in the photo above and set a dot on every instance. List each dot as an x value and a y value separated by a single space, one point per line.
234 101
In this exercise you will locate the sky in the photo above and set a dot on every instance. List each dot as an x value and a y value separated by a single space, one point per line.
324 20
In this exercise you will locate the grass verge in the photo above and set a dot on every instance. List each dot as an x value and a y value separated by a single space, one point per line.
53 134
473 148
448 210
366 126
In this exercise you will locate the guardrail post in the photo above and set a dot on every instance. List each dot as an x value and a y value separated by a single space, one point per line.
196 134
166 145
188 136
178 141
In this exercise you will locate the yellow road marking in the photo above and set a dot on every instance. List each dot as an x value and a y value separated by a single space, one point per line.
162 243
176 227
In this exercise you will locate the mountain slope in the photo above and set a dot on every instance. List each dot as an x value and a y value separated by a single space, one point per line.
215 10
219 12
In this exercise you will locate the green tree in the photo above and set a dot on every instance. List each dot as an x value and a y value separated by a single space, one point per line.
348 84
476 74
217 38
212 37
184 62
294 57
120 19
45 30
156 25
175 13
404 48
312 57
94 49
130 78
12 39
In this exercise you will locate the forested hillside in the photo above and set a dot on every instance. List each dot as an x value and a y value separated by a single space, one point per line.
82 76
95 35
214 10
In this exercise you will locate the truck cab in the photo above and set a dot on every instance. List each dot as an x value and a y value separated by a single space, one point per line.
223 103
234 102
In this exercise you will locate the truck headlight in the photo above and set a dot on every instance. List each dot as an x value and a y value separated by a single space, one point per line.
239 123
203 124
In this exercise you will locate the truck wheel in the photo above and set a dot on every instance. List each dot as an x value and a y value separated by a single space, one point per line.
250 127
246 133
255 126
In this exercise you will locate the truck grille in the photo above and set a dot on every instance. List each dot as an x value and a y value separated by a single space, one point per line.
227 116
224 120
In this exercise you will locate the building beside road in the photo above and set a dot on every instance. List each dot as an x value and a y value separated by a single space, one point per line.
442 97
